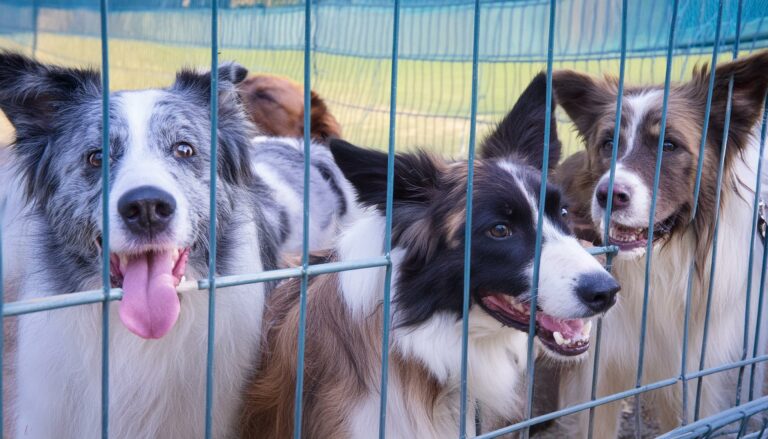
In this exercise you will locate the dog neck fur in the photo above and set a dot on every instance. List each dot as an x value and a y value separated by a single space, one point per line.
434 344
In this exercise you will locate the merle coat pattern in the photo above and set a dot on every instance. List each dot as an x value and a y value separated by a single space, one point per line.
159 145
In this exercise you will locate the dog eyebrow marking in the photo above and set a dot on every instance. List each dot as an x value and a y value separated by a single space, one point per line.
638 106
137 107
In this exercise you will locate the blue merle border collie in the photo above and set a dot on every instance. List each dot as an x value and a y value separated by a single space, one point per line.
344 319
159 220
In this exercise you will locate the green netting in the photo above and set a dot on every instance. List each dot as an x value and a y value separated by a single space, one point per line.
351 40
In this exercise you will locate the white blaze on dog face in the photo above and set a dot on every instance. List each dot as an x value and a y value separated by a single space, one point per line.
591 104
159 160
148 158
428 237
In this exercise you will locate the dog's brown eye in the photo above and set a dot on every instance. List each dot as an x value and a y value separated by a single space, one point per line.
183 150
94 158
563 212
499 231
669 146
608 146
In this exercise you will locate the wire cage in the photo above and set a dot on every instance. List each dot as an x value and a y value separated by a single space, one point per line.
401 74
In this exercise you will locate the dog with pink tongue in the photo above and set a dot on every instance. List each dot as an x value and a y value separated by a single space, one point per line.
158 211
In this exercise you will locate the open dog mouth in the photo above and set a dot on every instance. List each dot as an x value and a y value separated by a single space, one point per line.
629 238
150 304
567 337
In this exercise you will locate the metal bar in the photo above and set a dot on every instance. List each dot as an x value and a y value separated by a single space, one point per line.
59 301
652 215
212 219
468 224
723 418
759 316
727 366
577 408
530 366
748 299
385 309
35 13
105 265
620 395
609 250
707 109
609 205
694 211
2 322
287 273
718 195
305 226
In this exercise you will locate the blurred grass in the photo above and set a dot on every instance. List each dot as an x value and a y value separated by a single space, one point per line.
432 101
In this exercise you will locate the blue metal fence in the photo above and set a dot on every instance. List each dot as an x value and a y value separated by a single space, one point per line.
694 27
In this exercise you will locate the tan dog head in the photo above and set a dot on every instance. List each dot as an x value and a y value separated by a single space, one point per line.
276 106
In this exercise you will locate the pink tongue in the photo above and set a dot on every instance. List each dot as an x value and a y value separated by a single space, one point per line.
150 304
568 328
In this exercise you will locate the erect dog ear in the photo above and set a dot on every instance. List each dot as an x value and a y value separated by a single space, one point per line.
521 133
750 82
199 83
235 129
32 94
582 97
416 175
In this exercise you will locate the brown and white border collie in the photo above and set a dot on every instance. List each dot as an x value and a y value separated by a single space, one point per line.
276 105
344 318
678 240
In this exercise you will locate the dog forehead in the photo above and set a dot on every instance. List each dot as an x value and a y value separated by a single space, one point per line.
506 182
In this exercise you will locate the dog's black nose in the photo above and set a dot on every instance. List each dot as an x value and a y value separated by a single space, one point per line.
597 291
146 210
622 195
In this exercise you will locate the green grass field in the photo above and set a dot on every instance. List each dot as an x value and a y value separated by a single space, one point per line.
433 100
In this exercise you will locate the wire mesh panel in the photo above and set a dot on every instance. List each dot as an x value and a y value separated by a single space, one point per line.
454 68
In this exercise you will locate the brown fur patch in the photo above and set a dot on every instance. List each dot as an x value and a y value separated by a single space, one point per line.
342 362
590 103
276 106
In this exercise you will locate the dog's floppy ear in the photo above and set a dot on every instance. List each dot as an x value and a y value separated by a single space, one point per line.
235 128
582 97
521 133
750 82
416 175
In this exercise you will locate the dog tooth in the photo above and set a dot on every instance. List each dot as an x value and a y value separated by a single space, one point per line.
586 329
559 338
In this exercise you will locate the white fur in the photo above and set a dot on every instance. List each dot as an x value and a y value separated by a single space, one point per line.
666 305
562 260
156 387
496 355
638 211
141 165
565 260
360 241
639 105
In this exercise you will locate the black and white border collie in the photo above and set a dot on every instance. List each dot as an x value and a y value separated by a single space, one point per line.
344 319
678 241
159 220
